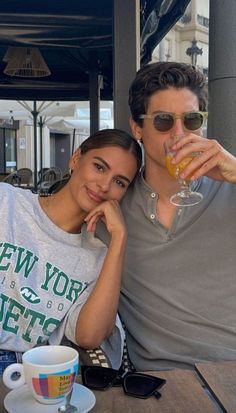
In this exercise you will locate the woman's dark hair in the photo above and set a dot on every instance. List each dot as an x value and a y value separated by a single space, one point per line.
113 137
159 76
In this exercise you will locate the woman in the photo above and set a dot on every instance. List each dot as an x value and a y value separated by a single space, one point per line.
56 278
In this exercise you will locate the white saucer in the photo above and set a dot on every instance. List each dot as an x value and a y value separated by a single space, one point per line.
20 400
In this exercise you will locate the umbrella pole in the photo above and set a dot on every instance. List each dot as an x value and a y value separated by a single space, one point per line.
35 115
40 123
73 142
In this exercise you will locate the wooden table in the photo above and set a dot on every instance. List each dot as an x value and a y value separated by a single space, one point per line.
220 378
182 393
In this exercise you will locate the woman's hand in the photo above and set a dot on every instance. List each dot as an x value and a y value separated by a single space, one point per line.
212 159
110 213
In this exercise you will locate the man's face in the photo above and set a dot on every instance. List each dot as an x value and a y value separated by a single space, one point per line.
176 101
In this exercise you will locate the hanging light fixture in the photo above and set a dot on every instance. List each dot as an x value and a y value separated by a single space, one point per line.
25 62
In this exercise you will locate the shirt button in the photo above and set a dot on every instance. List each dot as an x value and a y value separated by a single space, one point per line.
152 216
153 195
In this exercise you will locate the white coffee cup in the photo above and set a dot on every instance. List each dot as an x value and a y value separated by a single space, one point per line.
49 372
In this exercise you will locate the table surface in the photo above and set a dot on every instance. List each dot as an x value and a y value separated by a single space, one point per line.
220 378
182 393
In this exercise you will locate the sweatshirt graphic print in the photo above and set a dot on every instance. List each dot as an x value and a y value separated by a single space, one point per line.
46 274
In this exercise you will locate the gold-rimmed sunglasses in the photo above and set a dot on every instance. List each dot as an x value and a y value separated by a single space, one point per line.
165 121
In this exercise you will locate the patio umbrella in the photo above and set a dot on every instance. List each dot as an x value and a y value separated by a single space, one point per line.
38 112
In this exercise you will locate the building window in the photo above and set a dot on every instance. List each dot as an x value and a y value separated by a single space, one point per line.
10 150
186 18
7 150
203 21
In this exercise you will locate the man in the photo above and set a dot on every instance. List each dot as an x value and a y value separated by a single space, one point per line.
178 298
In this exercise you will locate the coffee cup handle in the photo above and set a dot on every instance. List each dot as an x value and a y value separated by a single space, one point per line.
9 381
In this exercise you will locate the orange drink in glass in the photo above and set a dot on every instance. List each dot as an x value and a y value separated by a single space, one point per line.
185 197
176 169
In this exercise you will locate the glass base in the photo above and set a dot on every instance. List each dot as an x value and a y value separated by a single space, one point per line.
186 198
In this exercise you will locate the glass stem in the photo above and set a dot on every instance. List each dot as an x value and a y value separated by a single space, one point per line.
184 186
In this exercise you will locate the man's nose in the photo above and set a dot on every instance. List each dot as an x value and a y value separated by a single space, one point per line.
179 127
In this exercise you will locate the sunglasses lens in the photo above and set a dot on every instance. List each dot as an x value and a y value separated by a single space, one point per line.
193 120
141 385
163 122
98 378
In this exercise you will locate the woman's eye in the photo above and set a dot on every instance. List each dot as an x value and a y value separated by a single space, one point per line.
120 183
99 167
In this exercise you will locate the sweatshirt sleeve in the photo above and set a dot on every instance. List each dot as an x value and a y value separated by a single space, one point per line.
112 346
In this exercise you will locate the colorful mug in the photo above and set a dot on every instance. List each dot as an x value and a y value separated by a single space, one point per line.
49 372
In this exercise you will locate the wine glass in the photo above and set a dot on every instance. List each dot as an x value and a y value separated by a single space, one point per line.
185 197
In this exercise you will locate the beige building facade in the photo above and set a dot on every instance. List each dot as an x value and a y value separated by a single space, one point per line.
193 26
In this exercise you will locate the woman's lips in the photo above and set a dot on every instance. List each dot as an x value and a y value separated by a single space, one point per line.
95 197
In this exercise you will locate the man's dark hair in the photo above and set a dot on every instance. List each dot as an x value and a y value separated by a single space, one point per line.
159 76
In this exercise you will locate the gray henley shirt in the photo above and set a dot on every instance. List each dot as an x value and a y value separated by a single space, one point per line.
178 297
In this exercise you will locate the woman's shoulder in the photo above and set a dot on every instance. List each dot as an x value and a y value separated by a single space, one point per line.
6 189
12 193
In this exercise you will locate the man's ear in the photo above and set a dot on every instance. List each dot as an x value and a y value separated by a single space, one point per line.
74 159
136 129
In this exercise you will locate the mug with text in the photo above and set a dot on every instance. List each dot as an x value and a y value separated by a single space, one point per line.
49 372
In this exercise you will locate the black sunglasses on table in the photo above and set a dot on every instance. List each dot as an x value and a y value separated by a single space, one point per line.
165 121
134 384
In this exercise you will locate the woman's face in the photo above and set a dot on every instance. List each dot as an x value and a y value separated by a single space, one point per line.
101 174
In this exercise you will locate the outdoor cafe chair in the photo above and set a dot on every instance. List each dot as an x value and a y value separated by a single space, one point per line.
25 175
12 179
57 171
40 174
56 186
48 178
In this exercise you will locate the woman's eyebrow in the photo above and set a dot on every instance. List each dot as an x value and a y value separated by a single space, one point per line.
103 161
108 167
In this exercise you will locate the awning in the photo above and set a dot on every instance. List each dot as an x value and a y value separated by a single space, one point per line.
71 36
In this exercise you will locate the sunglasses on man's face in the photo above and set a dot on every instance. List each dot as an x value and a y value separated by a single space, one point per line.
134 384
165 121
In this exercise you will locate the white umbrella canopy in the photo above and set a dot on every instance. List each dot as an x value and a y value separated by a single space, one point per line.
80 125
21 110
